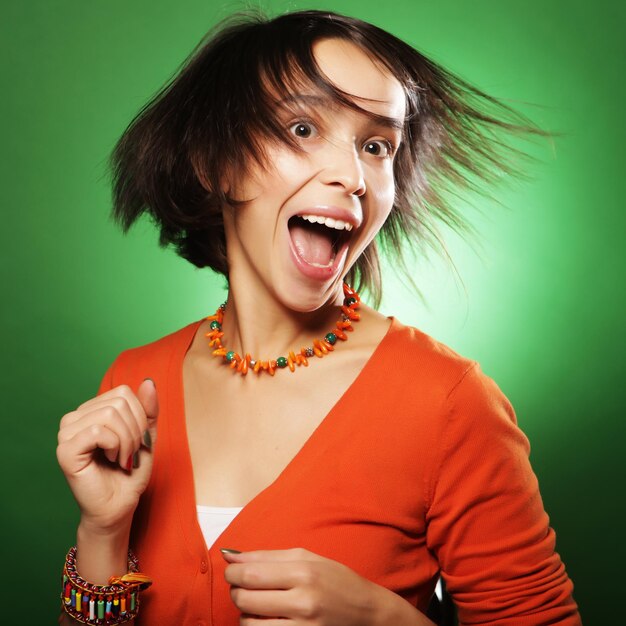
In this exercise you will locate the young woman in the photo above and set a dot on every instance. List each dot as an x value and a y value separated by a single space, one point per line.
297 457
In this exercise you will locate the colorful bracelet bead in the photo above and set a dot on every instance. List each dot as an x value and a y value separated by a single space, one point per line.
103 605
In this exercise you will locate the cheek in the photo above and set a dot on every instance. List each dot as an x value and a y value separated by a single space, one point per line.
381 193
289 171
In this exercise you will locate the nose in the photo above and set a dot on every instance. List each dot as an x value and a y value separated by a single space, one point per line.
343 168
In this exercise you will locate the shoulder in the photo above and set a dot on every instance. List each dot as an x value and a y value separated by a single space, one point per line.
444 386
152 359
416 358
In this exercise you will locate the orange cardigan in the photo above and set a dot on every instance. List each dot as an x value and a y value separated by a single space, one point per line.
419 469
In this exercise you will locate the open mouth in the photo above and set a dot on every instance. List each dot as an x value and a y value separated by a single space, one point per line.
317 239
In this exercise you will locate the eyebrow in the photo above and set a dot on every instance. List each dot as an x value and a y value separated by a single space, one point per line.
315 100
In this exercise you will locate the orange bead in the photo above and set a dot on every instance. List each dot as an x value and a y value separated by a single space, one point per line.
318 352
220 352
265 365
320 346
328 346
271 367
233 364
244 366
257 367
340 335
353 315
290 364
292 356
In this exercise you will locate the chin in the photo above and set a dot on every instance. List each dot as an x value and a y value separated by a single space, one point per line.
306 296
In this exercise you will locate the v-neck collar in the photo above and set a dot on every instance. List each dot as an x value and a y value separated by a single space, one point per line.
180 455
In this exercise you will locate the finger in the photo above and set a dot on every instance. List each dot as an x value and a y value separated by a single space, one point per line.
251 620
75 454
271 575
121 397
147 396
292 554
117 409
109 418
271 603
123 391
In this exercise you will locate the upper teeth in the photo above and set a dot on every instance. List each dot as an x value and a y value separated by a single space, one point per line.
327 221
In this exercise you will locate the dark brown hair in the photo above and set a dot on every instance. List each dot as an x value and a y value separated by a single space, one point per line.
219 111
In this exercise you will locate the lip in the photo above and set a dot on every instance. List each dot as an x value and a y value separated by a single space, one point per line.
336 212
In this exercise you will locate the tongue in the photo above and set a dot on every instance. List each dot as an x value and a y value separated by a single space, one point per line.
312 245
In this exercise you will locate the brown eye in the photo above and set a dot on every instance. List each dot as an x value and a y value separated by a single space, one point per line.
302 130
378 148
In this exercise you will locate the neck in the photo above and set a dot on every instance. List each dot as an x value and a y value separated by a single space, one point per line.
261 325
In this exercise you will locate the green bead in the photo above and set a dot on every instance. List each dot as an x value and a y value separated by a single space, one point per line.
331 338
215 325
230 356
349 301
281 361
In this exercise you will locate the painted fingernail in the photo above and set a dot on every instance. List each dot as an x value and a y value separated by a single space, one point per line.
150 379
147 439
129 463
229 551
136 459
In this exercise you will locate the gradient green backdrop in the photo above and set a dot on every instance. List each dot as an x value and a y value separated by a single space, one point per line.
543 288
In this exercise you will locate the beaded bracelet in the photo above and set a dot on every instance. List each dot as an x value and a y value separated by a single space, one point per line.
105 605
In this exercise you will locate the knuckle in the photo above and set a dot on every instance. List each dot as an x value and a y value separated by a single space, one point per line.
300 554
59 453
124 390
119 402
309 606
66 418
96 430
307 575
109 412
250 576
235 594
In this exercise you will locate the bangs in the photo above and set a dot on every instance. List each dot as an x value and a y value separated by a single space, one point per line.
283 79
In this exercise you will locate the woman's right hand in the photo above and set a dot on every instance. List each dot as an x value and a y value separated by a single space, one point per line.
96 445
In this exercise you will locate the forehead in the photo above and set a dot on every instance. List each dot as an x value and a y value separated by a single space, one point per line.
350 69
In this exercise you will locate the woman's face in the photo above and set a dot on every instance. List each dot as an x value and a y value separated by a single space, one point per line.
310 214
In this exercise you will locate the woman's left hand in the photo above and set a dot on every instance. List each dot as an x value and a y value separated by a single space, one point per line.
303 588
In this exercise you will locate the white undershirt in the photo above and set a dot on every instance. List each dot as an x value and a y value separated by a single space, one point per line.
213 521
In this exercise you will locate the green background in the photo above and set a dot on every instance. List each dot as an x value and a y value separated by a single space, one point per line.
541 289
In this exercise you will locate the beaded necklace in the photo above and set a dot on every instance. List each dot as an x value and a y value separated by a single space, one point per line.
320 347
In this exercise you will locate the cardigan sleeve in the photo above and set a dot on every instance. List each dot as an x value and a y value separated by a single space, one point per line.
485 519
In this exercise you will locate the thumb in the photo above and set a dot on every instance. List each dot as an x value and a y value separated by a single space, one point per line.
147 396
